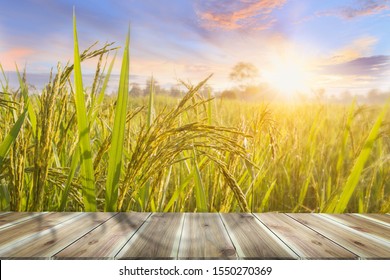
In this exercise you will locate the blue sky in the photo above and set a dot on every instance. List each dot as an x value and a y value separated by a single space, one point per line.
297 45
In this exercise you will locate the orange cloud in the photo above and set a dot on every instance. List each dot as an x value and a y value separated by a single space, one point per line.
238 14
358 48
8 58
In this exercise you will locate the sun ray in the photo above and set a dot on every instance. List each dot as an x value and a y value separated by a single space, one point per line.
288 74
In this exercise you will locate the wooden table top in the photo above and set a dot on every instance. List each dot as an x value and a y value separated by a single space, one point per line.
53 235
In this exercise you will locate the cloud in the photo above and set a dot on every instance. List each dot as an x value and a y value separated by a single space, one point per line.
19 56
198 68
359 8
231 15
358 48
373 66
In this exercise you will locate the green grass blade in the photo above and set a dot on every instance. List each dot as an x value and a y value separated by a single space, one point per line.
267 195
182 188
89 193
303 193
144 192
151 104
209 108
200 196
105 82
4 84
11 137
4 198
72 171
343 146
118 133
354 176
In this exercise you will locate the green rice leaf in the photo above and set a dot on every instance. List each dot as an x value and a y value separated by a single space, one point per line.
209 108
89 193
118 133
267 195
354 176
11 137
6 80
4 198
200 196
303 192
144 191
151 104
105 82
343 146
72 171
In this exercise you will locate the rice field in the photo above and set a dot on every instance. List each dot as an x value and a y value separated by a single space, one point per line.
72 148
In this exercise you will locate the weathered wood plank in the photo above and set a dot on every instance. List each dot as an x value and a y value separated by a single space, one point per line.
105 241
12 218
364 246
204 237
379 218
193 236
32 227
157 238
307 243
362 225
253 240
51 241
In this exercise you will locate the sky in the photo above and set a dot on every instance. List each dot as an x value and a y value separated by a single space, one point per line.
296 45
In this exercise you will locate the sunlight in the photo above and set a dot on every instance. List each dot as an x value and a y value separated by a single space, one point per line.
288 75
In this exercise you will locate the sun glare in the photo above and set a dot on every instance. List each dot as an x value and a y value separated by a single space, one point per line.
288 75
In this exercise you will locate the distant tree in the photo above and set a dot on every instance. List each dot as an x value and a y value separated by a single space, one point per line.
251 92
175 91
243 73
135 90
229 94
375 96
156 86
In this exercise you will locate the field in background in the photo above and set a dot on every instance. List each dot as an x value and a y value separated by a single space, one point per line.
282 157
63 150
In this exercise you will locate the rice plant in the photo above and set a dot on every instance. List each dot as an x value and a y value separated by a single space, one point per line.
71 148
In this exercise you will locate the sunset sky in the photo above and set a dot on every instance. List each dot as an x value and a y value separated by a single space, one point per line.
297 45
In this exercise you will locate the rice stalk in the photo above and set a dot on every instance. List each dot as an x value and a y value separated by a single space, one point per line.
89 192
118 134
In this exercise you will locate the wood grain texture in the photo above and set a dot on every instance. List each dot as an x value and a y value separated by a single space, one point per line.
362 225
32 227
157 238
205 237
97 235
46 244
307 243
383 219
105 241
253 240
12 218
364 246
